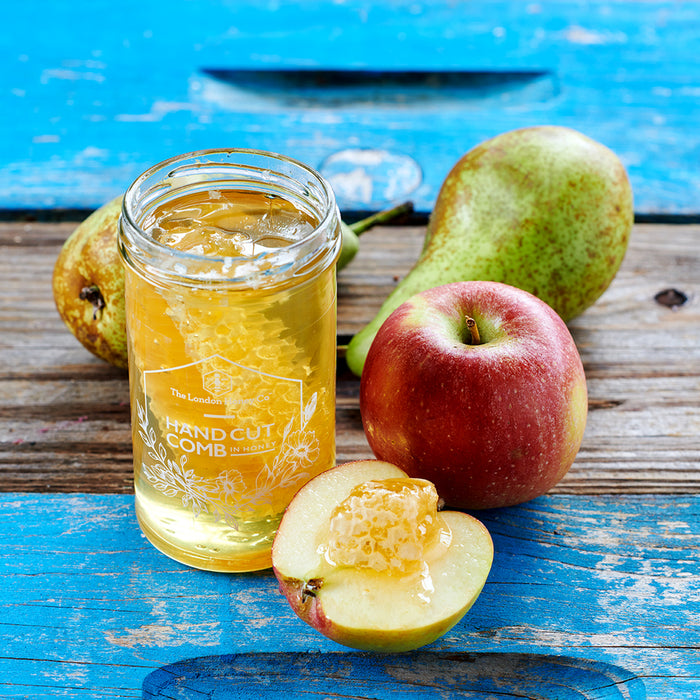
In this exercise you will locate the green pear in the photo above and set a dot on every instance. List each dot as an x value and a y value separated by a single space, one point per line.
88 285
544 208
350 245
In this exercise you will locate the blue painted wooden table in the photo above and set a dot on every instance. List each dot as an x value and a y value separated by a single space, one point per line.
595 588
599 583
91 609
383 97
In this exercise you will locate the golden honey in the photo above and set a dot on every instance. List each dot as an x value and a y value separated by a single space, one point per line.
390 526
231 319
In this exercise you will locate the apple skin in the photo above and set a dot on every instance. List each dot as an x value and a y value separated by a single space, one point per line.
492 424
89 260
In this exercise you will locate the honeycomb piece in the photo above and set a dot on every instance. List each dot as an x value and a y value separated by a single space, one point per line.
388 526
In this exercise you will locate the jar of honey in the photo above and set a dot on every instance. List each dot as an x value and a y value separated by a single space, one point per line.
230 282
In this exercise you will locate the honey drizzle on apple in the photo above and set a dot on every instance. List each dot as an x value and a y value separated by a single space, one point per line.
390 528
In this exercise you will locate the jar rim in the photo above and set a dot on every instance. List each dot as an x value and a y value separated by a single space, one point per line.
296 254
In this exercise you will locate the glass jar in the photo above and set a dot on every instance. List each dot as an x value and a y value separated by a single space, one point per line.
230 280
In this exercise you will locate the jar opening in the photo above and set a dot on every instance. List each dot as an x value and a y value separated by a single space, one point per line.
229 216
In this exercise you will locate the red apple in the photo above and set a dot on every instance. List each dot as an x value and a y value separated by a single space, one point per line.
494 414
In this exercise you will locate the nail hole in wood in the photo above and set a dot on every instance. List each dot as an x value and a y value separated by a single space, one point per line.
672 298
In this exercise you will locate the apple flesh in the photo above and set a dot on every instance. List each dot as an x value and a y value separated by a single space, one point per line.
364 605
493 415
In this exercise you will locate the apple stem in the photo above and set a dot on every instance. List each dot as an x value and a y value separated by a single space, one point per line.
94 296
474 337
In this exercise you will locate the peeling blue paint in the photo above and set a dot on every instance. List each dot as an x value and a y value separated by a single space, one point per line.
134 82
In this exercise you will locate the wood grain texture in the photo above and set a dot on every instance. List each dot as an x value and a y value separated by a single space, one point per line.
64 416
104 90
90 609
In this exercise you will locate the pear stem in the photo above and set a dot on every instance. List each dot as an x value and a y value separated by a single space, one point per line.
474 337
381 217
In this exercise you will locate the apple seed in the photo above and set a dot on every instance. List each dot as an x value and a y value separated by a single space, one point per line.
311 588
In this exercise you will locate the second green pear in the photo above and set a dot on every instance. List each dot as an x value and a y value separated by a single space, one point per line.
545 208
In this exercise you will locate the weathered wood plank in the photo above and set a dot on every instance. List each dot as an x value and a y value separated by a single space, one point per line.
80 116
64 418
90 608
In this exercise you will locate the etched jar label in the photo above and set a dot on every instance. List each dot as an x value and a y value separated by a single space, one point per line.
225 438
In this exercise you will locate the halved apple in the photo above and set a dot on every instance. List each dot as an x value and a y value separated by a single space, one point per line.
363 556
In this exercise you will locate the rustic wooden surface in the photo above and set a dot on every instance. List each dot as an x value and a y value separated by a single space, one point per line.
92 610
595 589
65 416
